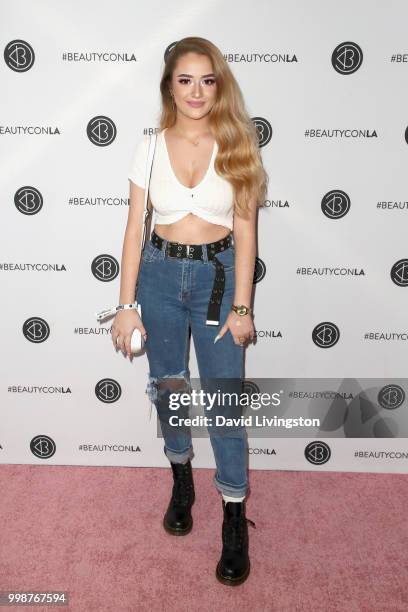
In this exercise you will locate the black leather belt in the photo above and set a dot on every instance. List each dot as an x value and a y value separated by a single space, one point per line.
195 251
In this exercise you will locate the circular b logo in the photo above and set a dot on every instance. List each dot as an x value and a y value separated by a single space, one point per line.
317 452
399 273
19 55
264 130
259 271
105 268
101 131
347 58
28 200
335 204
108 390
391 397
42 447
36 330
249 388
325 335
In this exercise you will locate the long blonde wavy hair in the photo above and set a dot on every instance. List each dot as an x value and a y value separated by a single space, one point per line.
238 160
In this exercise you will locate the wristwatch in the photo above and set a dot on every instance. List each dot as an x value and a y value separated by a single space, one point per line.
241 309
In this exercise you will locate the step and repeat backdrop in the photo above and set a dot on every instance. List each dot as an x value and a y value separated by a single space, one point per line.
327 89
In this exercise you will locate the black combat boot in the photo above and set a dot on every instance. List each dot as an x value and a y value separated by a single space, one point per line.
178 519
234 565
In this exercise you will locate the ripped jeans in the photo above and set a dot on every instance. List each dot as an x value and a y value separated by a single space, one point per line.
174 295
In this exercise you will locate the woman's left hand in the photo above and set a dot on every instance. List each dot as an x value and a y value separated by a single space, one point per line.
240 326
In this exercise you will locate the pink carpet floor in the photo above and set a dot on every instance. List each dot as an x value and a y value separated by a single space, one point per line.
323 541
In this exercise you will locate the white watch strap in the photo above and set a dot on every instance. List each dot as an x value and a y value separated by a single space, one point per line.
112 311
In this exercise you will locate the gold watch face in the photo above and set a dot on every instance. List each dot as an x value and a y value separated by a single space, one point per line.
241 310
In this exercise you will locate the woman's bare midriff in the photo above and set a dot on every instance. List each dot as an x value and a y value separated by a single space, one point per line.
192 229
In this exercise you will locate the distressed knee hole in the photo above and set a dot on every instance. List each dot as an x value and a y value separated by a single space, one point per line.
175 383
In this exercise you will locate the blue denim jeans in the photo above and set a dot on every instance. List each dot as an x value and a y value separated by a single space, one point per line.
174 295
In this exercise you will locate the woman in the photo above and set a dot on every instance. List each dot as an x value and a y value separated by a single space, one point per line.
207 179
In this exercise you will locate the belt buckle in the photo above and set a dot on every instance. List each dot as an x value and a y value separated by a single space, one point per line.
189 248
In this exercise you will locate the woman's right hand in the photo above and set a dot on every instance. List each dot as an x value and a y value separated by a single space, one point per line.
124 323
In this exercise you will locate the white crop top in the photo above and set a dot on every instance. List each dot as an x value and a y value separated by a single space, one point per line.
211 199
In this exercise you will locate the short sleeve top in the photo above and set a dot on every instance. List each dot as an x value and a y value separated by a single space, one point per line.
212 199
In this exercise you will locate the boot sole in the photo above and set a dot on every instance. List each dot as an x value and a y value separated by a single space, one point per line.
177 532
232 581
